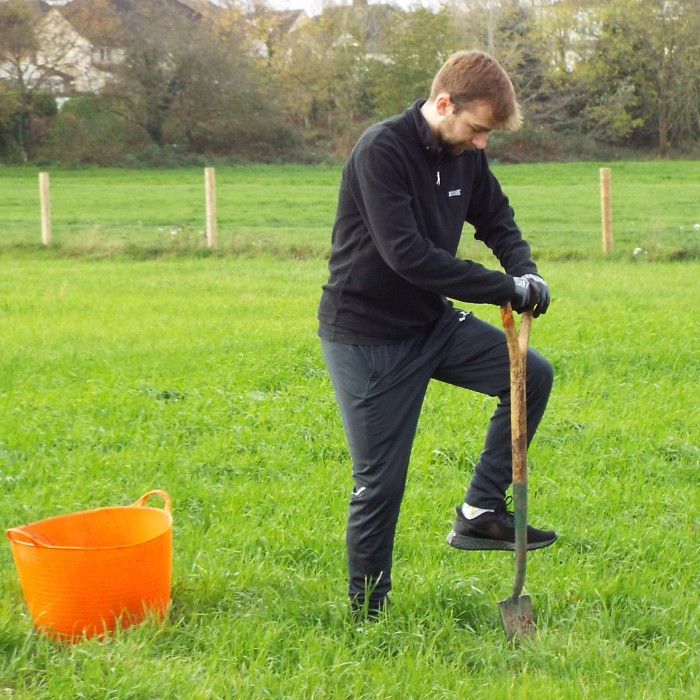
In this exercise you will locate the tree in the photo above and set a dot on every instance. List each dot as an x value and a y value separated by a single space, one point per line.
21 77
518 35
416 44
189 81
642 78
153 72
319 74
40 53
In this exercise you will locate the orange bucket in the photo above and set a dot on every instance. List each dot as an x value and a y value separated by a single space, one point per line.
86 573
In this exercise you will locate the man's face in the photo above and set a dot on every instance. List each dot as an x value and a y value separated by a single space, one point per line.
465 130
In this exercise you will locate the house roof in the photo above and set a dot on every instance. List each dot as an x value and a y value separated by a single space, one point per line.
288 18
97 20
102 21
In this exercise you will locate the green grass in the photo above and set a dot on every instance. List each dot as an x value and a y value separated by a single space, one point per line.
289 210
202 375
155 212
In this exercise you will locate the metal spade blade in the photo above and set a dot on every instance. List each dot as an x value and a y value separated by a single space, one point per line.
517 617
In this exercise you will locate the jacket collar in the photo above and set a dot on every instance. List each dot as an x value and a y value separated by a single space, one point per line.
421 127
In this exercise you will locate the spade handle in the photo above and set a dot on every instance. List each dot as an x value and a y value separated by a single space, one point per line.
517 352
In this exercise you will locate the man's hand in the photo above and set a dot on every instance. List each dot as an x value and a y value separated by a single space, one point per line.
531 292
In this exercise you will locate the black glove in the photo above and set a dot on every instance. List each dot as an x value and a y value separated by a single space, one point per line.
531 293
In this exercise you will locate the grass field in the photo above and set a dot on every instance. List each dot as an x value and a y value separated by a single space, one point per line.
289 210
131 367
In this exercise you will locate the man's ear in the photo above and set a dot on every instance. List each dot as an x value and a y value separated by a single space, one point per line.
442 104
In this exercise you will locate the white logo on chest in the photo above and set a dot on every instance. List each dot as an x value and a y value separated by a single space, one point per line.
455 193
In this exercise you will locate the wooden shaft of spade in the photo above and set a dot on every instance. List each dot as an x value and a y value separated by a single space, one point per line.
517 351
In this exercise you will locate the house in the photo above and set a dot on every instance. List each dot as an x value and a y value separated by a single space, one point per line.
82 41
65 51
18 61
270 27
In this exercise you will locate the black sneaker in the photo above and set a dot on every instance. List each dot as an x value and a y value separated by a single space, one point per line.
494 531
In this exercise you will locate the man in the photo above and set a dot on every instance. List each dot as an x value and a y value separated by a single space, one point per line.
387 327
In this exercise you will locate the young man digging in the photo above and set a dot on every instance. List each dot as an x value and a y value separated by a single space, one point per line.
387 327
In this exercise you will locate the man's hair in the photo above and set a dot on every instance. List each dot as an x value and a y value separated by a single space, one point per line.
474 76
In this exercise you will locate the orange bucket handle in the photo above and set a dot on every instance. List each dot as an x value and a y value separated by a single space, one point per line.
156 492
20 536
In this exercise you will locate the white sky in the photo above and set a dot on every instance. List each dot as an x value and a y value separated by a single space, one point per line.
313 7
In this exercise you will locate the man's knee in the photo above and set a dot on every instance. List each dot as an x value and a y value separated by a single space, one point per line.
377 498
540 373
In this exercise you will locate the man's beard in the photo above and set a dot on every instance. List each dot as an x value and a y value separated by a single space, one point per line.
451 145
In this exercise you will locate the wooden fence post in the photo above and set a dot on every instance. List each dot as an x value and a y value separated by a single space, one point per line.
210 197
45 203
606 209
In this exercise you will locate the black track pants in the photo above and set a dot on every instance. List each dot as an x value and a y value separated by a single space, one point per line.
380 391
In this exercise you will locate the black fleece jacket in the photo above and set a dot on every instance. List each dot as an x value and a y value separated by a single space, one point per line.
401 209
